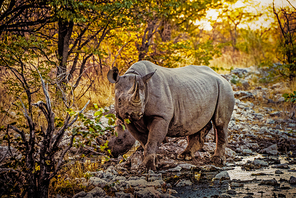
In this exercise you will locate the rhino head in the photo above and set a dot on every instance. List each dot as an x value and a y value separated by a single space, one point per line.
130 94
121 143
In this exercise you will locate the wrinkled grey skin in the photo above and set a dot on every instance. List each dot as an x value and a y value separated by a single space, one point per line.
122 143
175 102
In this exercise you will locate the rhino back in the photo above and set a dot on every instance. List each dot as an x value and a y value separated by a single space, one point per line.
186 97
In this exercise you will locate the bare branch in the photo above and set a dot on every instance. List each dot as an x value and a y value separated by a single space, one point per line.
48 103
61 158
21 133
118 53
29 119
74 120
58 137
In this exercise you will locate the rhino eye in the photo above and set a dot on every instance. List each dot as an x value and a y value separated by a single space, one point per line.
119 141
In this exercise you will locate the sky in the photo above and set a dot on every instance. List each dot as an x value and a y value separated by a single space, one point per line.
255 6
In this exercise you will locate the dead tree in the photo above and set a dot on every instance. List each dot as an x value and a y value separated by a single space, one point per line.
38 155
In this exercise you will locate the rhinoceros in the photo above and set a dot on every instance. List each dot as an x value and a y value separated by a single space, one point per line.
160 102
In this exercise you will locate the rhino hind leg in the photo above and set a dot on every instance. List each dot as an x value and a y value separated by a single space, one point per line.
221 140
220 120
195 143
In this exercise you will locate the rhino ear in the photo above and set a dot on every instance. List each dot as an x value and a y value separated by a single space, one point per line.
147 77
113 75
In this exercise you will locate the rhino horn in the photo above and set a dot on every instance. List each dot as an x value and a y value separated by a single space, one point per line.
132 89
135 92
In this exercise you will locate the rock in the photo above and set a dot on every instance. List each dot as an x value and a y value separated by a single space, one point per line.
80 194
222 176
272 150
277 85
252 145
240 71
278 172
148 192
210 168
243 95
136 160
270 121
292 180
271 182
283 166
187 166
99 192
235 184
276 113
260 163
123 195
281 99
230 153
156 183
176 169
97 182
231 192
224 195
139 183
59 196
172 191
247 151
184 182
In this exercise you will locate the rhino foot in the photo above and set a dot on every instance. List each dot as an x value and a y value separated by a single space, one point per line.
149 163
219 160
185 156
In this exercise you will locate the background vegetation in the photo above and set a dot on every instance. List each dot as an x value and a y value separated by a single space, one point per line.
71 44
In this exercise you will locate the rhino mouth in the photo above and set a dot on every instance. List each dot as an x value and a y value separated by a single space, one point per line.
136 116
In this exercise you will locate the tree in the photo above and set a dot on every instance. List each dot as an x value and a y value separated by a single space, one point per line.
286 19
226 26
162 23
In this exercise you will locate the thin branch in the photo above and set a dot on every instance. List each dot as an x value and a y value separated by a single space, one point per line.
86 89
291 4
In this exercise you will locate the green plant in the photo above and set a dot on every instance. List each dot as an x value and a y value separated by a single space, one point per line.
290 97
234 79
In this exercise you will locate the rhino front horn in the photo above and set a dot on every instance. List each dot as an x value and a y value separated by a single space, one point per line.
135 95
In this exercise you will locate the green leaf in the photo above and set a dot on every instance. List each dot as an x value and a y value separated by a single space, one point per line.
98 113
96 106
127 121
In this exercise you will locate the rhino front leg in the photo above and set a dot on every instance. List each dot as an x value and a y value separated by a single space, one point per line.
141 137
157 132
195 143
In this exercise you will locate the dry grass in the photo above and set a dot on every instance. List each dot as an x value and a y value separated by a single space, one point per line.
228 61
101 93
72 180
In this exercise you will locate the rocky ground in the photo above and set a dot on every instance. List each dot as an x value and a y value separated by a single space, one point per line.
260 153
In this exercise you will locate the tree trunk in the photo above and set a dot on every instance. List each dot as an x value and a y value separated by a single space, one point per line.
65 32
40 191
43 189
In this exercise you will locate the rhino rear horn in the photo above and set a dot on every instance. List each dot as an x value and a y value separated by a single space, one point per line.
113 75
